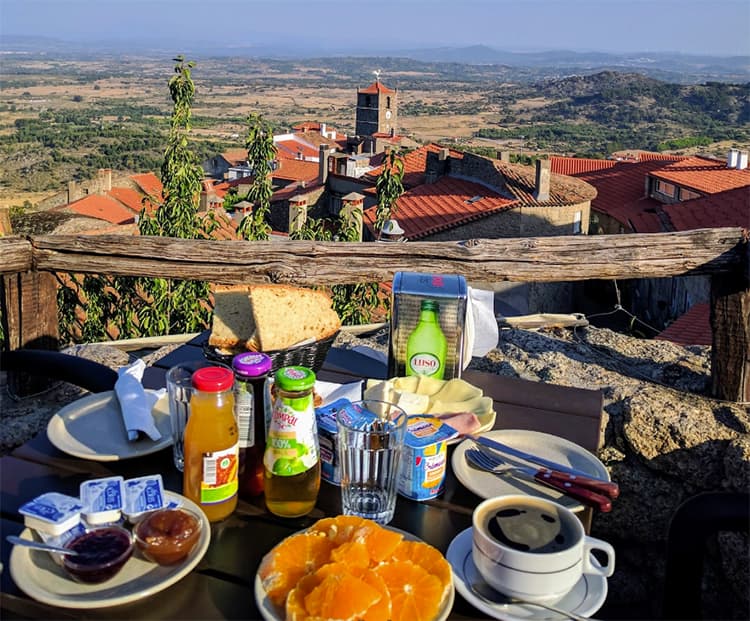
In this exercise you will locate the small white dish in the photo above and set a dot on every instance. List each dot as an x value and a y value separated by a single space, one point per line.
92 428
37 574
584 599
270 612
486 484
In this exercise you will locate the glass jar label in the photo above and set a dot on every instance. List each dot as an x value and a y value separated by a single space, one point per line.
219 477
291 447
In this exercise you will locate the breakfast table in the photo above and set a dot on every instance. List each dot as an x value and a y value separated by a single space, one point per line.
221 585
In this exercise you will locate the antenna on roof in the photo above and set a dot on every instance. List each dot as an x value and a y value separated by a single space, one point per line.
377 73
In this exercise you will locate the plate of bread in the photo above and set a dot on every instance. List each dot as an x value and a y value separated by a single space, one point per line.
293 325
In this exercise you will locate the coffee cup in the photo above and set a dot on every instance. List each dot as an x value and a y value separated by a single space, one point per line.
532 548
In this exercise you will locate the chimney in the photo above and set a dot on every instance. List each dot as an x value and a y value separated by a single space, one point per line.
323 152
732 158
105 179
541 185
504 156
323 130
72 191
351 211
297 213
742 160
444 154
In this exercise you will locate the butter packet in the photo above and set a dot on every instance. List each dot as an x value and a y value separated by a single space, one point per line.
51 513
102 500
143 495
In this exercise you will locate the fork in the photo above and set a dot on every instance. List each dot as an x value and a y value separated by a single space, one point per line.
501 468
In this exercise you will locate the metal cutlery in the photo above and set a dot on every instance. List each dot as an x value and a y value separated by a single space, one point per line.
36 545
583 494
578 477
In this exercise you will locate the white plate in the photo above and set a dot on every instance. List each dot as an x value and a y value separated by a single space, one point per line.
584 599
37 575
92 428
487 485
269 612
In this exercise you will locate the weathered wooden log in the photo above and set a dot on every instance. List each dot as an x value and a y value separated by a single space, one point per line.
15 255
536 259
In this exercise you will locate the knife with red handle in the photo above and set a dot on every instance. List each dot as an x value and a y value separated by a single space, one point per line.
602 486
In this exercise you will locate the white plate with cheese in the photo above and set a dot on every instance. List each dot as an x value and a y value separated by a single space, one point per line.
427 395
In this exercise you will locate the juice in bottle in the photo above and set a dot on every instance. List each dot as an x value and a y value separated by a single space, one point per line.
292 457
426 346
211 444
250 374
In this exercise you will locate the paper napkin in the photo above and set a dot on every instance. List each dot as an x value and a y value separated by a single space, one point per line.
481 332
331 391
136 403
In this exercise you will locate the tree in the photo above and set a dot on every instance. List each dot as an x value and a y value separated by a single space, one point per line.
174 306
389 187
260 154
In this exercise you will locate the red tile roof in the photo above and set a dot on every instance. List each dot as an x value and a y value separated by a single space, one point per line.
621 194
704 175
692 328
103 208
375 88
132 199
235 157
290 149
415 163
150 184
730 208
434 207
576 165
296 170
520 181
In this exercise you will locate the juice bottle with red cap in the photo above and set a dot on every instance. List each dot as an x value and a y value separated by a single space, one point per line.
212 444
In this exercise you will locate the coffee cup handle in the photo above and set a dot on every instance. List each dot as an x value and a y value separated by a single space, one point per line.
591 543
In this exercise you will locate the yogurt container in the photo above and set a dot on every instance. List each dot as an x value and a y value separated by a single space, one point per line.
425 457
327 432
102 500
143 495
51 513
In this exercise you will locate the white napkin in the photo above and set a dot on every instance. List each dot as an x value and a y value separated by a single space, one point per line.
481 332
135 403
331 391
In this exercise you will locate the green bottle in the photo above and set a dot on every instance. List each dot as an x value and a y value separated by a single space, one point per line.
427 346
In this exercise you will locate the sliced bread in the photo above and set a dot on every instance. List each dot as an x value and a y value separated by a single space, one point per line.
270 317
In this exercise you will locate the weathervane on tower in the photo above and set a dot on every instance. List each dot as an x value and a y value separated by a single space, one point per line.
377 73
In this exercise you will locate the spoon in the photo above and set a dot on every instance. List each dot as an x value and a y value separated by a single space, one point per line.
491 596
38 545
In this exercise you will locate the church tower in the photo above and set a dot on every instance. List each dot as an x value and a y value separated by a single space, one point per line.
377 109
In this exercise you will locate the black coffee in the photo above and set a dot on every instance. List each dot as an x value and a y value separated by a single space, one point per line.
531 529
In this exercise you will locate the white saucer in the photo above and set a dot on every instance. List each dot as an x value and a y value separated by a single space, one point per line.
584 599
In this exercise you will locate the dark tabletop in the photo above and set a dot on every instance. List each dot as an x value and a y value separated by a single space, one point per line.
221 586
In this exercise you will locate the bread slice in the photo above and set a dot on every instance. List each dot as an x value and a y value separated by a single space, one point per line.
270 317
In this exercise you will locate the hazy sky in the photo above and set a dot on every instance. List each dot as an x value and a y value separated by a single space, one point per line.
690 26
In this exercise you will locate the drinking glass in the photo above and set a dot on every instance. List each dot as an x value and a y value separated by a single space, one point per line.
370 442
179 391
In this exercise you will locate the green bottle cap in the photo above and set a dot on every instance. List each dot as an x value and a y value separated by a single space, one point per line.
429 305
294 379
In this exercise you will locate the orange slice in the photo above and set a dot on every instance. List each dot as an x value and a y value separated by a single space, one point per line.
416 595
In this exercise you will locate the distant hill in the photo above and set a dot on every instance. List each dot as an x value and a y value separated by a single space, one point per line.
667 66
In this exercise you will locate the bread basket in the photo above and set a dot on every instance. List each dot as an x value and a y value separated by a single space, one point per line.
310 355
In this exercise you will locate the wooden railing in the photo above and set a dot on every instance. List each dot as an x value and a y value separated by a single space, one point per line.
721 254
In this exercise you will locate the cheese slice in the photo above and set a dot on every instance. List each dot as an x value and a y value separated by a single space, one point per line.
405 384
412 403
429 385
457 390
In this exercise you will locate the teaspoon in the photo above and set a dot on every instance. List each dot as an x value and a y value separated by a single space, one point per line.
38 545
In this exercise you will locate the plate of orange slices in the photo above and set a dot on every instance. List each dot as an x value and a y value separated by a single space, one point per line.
347 567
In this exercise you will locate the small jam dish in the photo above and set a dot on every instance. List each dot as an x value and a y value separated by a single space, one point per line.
102 553
167 536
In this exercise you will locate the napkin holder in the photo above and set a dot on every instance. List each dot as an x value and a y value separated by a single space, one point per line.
408 291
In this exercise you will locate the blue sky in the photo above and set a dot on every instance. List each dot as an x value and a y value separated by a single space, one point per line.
720 27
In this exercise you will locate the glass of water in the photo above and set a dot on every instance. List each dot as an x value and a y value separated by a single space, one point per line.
179 391
370 441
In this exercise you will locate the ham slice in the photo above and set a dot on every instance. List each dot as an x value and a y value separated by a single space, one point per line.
463 422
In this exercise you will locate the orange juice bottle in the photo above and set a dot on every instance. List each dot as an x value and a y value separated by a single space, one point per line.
212 444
